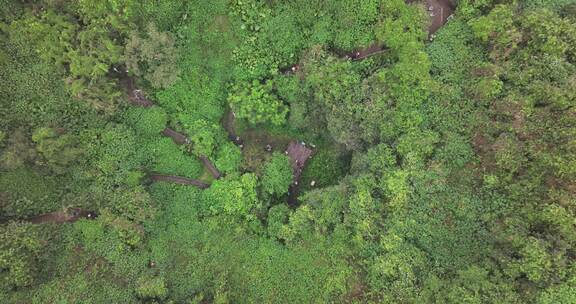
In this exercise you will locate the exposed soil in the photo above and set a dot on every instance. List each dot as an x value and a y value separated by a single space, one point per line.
364 53
228 125
210 166
299 153
59 217
181 139
178 138
135 96
179 180
258 140
439 11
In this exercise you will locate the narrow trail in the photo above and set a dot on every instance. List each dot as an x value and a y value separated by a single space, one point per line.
439 12
298 153
59 217
228 125
181 139
137 98
177 138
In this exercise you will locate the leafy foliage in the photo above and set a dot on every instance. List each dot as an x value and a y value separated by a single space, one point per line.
277 175
153 57
256 103
443 165
20 245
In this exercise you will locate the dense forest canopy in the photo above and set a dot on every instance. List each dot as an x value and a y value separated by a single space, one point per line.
294 151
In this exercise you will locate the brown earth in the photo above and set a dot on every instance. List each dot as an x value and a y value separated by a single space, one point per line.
59 217
298 153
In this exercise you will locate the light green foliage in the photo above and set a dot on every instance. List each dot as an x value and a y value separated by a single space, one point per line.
205 135
277 175
228 158
234 195
257 269
113 13
153 57
85 53
257 103
33 91
151 287
167 158
147 121
499 20
19 247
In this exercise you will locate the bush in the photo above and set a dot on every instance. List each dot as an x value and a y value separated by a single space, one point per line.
256 103
147 121
277 175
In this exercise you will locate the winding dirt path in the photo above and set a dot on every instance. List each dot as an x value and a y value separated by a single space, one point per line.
439 12
181 139
137 98
177 137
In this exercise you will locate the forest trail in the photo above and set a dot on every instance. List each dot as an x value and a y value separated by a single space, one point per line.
228 125
181 139
298 153
57 217
136 97
438 10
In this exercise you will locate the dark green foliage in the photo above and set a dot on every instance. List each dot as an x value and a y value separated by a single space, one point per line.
25 193
59 151
18 150
325 168
19 247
